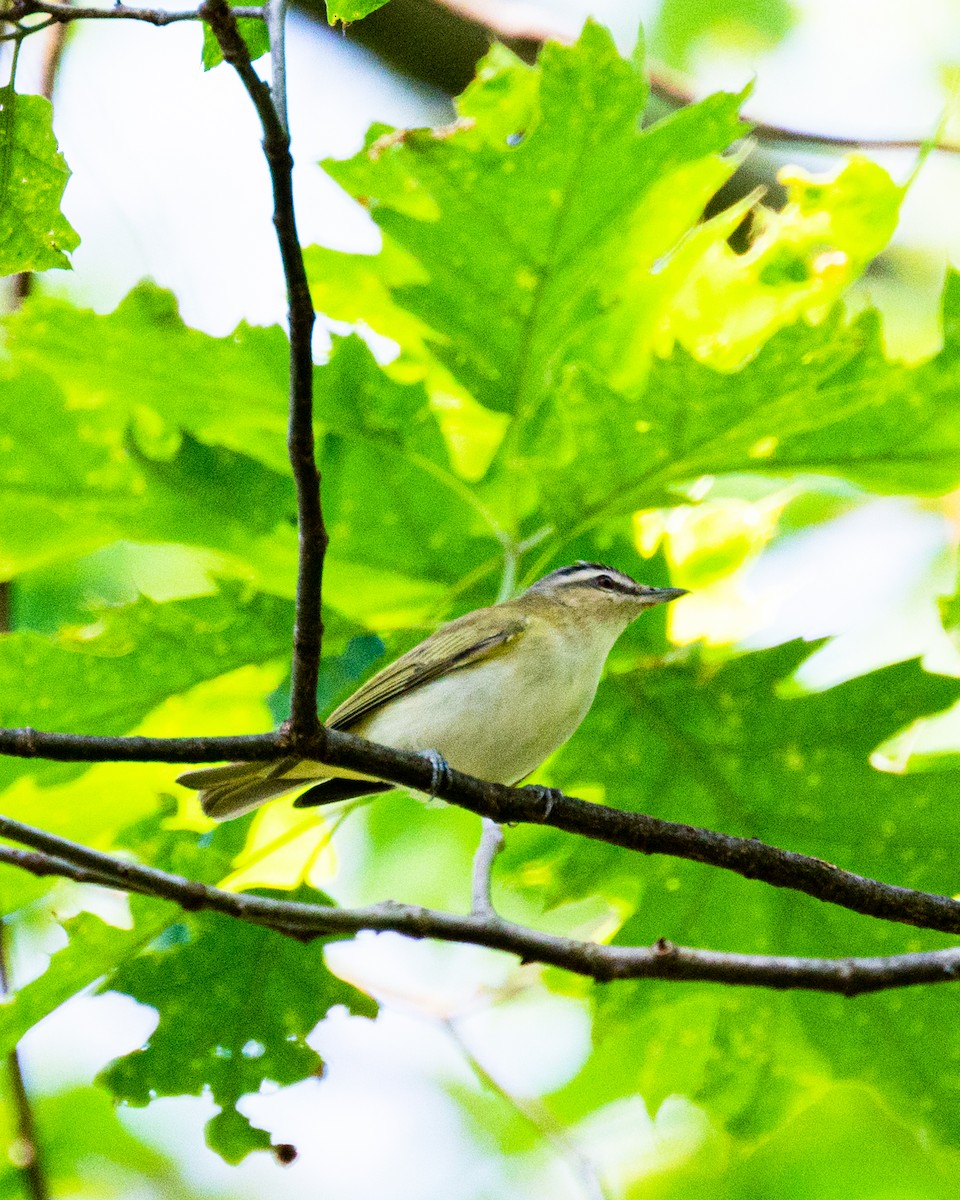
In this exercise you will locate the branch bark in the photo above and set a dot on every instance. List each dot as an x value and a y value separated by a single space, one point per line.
617 827
308 623
663 960
18 9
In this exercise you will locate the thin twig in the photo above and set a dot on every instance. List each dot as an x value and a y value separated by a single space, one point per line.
616 827
666 86
491 843
25 1155
537 1115
23 282
78 747
308 625
663 960
52 57
18 9
276 17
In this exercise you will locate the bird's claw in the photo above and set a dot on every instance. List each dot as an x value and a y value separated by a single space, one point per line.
548 795
439 771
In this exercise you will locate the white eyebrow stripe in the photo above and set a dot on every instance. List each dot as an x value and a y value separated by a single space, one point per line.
589 574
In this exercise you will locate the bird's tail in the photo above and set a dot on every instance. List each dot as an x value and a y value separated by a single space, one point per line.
239 788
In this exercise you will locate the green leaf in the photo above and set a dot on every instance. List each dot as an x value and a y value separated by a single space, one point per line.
842 1141
87 1151
345 11
521 217
142 361
209 496
801 259
268 991
382 440
848 1142
94 950
104 679
106 458
72 481
749 25
60 477
815 400
34 234
253 31
728 746
114 460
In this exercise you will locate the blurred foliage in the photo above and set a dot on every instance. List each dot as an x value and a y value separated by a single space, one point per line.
87 1151
577 360
680 30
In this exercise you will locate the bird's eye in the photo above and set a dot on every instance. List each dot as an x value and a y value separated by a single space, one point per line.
605 582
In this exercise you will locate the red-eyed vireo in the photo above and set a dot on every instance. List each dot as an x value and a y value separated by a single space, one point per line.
494 692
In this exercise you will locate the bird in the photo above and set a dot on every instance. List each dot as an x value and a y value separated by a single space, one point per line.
492 693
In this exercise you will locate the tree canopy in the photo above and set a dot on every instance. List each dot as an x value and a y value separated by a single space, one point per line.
579 364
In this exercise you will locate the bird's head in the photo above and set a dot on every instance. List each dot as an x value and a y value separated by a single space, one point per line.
601 592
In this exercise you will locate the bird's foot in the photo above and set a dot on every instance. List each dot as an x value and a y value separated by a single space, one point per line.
439 771
548 795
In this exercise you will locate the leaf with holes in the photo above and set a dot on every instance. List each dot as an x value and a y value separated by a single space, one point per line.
34 233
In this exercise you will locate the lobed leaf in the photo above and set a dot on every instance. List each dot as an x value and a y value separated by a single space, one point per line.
34 234
521 217
268 991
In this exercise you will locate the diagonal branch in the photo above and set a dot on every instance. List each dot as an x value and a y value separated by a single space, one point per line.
308 625
616 827
536 1114
848 976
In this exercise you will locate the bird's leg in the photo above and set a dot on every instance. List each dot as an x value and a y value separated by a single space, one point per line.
548 795
491 843
439 771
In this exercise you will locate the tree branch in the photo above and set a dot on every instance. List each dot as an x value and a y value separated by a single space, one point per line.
18 9
849 976
80 747
308 624
275 15
617 827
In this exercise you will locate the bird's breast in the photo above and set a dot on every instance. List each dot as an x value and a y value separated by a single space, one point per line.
500 718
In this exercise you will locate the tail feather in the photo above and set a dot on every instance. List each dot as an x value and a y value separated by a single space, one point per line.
239 788
329 791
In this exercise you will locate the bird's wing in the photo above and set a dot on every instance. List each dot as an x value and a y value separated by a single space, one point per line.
461 643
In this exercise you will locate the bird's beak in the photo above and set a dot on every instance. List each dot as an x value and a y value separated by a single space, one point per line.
661 595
